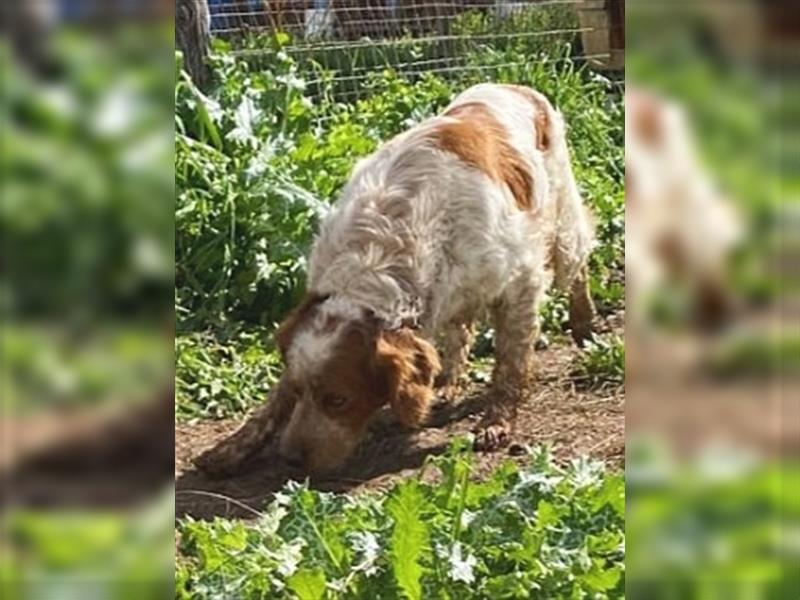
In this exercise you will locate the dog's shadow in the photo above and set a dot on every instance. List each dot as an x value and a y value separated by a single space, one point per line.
388 451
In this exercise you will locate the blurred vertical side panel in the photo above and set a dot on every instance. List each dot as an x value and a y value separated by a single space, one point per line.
712 157
86 299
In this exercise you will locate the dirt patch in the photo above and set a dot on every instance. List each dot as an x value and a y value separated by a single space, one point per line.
110 456
575 421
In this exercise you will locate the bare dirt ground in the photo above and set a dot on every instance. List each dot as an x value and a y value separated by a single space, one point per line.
111 456
573 419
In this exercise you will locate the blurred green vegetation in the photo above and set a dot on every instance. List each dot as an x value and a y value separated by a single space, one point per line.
86 213
45 367
86 292
724 523
82 554
721 526
738 113
87 219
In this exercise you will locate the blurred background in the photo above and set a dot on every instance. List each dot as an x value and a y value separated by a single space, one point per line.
712 172
86 299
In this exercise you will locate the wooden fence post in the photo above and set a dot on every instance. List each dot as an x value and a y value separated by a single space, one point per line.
193 36
604 38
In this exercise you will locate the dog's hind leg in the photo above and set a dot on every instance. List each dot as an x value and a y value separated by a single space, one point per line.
581 307
516 324
574 234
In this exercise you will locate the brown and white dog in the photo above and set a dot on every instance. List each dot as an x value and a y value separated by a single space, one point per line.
475 209
680 229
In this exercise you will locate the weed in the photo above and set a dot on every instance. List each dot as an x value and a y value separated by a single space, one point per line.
602 361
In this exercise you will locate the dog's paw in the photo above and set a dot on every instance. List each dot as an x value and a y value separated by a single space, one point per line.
447 395
492 435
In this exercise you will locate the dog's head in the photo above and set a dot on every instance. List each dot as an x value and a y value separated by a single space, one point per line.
342 366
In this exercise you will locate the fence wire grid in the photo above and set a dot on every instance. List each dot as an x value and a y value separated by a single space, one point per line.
341 42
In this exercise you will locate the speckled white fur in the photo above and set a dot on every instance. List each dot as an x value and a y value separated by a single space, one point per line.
314 341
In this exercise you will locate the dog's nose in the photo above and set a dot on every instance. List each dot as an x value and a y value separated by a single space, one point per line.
293 458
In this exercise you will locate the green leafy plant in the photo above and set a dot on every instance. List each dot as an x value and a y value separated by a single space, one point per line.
409 538
602 361
540 531
221 378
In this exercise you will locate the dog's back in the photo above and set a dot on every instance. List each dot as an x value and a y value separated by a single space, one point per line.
446 212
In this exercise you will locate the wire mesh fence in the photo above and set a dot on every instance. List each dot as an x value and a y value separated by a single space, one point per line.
342 42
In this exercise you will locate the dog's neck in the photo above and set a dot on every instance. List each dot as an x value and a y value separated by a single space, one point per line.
404 310
379 247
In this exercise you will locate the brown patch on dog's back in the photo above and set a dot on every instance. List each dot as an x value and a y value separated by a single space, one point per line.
481 141
541 121
647 113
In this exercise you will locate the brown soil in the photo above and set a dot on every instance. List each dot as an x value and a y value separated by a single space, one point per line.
113 456
574 419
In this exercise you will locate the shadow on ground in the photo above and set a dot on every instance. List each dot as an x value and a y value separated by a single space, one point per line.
388 451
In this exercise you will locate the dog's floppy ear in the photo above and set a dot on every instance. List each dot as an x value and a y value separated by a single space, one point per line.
407 365
288 327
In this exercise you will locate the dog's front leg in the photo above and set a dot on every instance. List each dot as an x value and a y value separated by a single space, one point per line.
227 457
516 330
456 343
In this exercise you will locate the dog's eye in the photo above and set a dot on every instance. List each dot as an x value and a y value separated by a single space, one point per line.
333 401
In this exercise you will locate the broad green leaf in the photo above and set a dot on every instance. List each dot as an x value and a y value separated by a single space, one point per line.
611 492
409 537
307 584
234 538
547 515
602 580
